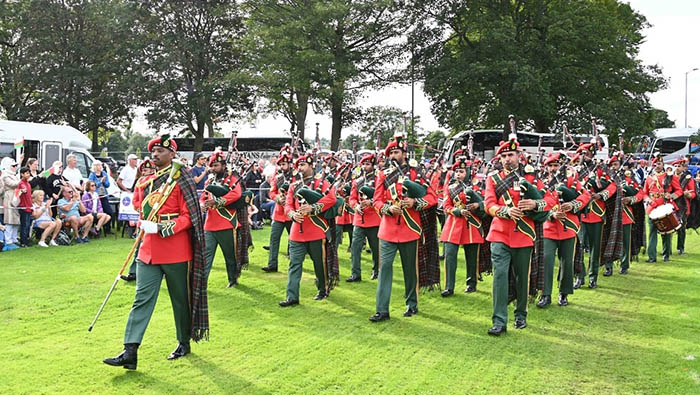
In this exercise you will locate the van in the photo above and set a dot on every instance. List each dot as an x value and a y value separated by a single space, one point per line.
49 143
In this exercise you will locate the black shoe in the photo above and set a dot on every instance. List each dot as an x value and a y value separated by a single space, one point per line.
441 257
520 324
410 312
650 260
349 250
446 293
368 251
127 358
269 269
320 296
470 289
232 283
578 283
608 272
497 330
593 284
181 350
681 252
666 259
545 300
287 303
623 271
373 276
266 248
480 278
130 277
379 317
353 279
563 301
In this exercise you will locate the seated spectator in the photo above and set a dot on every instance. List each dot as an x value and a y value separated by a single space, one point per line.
252 210
70 208
42 219
93 206
267 205
100 178
54 182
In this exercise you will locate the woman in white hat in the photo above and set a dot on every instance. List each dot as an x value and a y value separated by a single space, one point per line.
10 181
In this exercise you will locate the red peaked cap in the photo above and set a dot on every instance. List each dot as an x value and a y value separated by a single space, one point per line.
552 157
461 163
217 156
680 161
508 146
164 141
367 158
284 157
308 158
396 143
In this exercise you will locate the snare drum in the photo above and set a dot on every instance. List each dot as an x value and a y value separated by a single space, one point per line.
665 219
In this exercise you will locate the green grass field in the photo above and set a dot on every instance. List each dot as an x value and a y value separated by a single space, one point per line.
635 334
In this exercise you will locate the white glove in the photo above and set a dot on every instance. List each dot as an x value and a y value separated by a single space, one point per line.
149 227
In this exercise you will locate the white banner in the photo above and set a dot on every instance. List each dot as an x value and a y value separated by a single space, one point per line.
127 212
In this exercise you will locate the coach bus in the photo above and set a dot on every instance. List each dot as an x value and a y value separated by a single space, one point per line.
250 146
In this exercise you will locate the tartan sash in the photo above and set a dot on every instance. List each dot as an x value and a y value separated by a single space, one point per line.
502 185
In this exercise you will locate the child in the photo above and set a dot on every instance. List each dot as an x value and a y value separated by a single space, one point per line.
24 191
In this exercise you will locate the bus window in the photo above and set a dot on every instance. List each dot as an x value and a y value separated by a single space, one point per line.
671 145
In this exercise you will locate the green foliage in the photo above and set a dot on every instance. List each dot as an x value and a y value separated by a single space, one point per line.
544 61
635 333
194 63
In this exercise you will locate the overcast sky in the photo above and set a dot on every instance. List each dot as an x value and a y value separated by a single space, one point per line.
669 43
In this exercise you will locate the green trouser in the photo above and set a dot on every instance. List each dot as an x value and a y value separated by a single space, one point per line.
680 243
358 240
665 242
471 254
339 229
409 263
223 238
275 235
566 249
593 238
626 246
132 267
583 238
297 254
148 280
502 258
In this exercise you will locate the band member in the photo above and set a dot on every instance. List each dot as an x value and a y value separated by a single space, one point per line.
222 222
629 218
366 219
173 247
280 221
401 228
308 234
512 236
688 187
659 188
601 188
145 169
343 221
464 209
561 229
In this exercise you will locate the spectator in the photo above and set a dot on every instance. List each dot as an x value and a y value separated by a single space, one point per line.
252 212
199 171
42 219
70 208
54 182
93 204
254 179
270 168
36 181
11 215
24 191
72 173
127 176
267 205
100 178
2 212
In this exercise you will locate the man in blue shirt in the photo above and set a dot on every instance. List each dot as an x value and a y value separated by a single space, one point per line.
199 171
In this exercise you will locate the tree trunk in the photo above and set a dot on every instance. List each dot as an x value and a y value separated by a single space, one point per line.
542 125
210 127
300 115
337 117
95 146
199 135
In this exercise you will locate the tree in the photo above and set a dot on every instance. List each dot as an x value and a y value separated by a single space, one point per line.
545 61
194 64
385 121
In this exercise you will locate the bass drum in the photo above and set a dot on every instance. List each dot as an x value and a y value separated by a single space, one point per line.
665 219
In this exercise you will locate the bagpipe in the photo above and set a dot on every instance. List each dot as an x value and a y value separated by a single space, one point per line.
219 187
409 189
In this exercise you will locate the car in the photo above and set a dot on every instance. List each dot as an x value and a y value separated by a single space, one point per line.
110 163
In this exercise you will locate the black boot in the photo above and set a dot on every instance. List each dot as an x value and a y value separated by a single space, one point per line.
545 301
608 272
181 350
130 277
127 358
563 300
374 275
578 283
269 269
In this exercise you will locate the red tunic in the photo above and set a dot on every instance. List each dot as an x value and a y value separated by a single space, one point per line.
370 215
176 248
654 189
459 229
503 229
278 214
214 220
592 216
344 217
554 229
311 231
389 230
627 214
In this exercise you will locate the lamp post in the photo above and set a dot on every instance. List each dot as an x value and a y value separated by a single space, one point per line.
686 95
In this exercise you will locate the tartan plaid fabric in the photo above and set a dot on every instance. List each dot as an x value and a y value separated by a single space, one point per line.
428 265
537 261
638 229
611 243
578 259
198 286
485 265
332 267
694 217
243 241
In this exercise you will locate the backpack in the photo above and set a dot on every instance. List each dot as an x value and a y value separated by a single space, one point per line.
63 239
